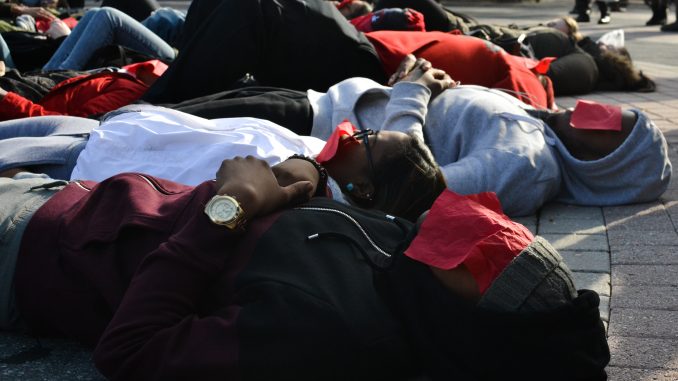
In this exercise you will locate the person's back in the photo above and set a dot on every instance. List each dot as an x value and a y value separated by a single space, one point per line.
466 59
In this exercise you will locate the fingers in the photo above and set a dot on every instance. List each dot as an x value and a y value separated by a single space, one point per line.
297 193
407 64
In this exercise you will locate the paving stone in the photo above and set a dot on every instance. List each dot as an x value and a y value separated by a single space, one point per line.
645 297
629 374
604 308
645 275
641 352
643 323
656 219
579 242
58 360
529 222
555 211
613 212
597 282
626 237
644 255
590 261
575 226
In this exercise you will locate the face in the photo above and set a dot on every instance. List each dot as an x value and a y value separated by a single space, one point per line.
589 144
352 162
559 24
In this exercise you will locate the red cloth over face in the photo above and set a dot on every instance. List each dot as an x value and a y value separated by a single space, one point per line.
589 115
470 230
343 131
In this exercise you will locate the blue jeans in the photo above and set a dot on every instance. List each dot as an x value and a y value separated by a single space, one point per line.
4 54
46 144
101 27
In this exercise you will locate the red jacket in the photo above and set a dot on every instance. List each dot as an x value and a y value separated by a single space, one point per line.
467 59
84 95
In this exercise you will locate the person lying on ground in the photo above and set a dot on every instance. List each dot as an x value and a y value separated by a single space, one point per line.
260 38
100 27
581 65
483 139
391 171
87 94
255 284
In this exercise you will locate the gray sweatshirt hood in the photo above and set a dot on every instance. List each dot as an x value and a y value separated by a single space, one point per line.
638 171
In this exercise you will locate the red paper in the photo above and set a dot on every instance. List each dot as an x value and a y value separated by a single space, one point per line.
589 115
539 67
153 67
343 130
471 230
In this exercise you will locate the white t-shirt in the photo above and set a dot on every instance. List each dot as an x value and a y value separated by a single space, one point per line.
181 147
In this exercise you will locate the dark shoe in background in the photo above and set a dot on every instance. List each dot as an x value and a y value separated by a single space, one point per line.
673 27
657 19
583 17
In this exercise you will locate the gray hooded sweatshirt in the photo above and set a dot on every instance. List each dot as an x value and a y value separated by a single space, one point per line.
484 140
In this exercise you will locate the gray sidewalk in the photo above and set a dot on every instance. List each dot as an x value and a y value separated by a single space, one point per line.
629 254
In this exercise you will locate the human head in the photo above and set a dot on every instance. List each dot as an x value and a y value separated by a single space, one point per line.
616 71
567 25
589 145
354 8
406 178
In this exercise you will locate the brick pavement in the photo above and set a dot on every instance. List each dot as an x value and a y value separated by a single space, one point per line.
628 254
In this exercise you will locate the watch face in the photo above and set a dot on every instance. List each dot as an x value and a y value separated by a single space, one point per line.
223 209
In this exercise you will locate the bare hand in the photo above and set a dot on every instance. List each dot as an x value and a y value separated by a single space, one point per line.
57 28
406 66
293 170
36 12
435 79
252 182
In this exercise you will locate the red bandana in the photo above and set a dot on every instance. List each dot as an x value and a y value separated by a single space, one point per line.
471 230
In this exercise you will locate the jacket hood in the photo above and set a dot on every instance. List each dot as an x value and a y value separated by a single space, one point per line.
637 171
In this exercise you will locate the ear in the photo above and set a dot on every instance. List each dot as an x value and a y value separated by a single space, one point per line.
363 190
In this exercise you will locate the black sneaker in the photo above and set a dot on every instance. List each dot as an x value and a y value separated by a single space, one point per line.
673 27
656 20
583 17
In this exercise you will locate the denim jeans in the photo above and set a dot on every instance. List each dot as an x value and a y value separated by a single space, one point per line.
4 54
46 144
101 27
167 23
17 205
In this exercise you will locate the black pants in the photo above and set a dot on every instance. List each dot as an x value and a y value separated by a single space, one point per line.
288 108
295 44
138 9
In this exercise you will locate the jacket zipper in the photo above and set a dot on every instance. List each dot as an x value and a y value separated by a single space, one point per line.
81 185
153 184
352 220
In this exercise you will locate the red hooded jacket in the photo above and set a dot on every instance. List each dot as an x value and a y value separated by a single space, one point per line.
84 95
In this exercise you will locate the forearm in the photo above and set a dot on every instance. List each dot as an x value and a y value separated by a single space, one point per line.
407 108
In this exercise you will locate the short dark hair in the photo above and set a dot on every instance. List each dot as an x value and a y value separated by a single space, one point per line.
407 181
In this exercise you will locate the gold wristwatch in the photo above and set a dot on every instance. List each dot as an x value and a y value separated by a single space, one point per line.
226 211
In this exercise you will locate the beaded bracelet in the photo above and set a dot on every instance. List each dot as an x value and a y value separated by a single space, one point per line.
322 172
